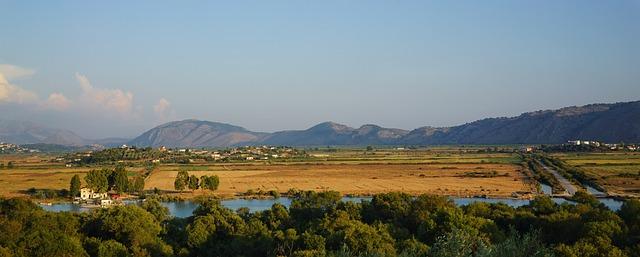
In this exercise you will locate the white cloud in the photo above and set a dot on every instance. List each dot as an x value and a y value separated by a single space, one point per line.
106 99
57 101
91 104
13 72
163 110
13 94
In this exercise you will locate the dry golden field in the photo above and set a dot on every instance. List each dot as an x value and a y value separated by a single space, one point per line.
36 171
349 172
358 179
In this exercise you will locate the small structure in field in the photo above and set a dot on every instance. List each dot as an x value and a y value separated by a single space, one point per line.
88 194
104 203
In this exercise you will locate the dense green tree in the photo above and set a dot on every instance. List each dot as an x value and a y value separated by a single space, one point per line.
156 209
98 180
214 230
194 182
630 213
74 187
285 241
517 245
320 224
108 248
182 180
121 180
543 205
584 197
27 230
112 248
129 225
209 182
137 185
5 251
307 206
359 237
460 243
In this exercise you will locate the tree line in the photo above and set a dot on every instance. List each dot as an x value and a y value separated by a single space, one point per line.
192 182
106 179
321 224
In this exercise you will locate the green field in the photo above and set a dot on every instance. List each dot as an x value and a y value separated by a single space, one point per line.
618 172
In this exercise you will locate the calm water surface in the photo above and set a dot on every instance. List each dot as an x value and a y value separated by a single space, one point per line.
185 209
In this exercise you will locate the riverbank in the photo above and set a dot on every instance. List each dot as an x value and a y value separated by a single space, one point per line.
185 208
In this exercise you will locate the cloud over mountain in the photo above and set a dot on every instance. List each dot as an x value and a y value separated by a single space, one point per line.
14 94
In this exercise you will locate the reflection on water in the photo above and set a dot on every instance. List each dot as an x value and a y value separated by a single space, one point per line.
546 189
185 208
594 191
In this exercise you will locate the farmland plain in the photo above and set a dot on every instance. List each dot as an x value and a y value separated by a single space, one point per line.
617 172
442 171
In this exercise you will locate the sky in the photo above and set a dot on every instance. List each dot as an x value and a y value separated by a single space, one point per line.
117 68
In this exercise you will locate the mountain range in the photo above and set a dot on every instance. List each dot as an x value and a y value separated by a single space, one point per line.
27 132
601 122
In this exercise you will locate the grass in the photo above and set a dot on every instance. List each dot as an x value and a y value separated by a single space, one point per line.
617 172
357 179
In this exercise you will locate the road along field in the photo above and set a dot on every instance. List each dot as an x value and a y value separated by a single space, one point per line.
617 172
498 180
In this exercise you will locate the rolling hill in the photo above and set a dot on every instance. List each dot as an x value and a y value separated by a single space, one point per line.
617 122
25 132
602 122
196 133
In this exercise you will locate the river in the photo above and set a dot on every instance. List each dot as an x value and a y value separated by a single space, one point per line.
185 208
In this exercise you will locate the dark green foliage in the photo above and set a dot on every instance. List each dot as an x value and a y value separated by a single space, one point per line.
27 230
120 180
130 226
113 155
307 206
108 248
194 182
209 182
47 193
98 180
319 224
182 180
74 187
585 198
137 185
517 245
156 209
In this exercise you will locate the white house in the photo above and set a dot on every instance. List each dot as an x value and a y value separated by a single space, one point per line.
99 195
88 193
105 203
85 193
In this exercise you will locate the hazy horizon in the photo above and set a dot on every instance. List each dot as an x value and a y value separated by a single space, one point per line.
116 70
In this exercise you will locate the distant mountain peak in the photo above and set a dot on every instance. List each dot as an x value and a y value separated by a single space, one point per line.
330 125
602 122
27 132
195 133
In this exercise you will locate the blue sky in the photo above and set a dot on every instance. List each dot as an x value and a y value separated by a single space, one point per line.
117 68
